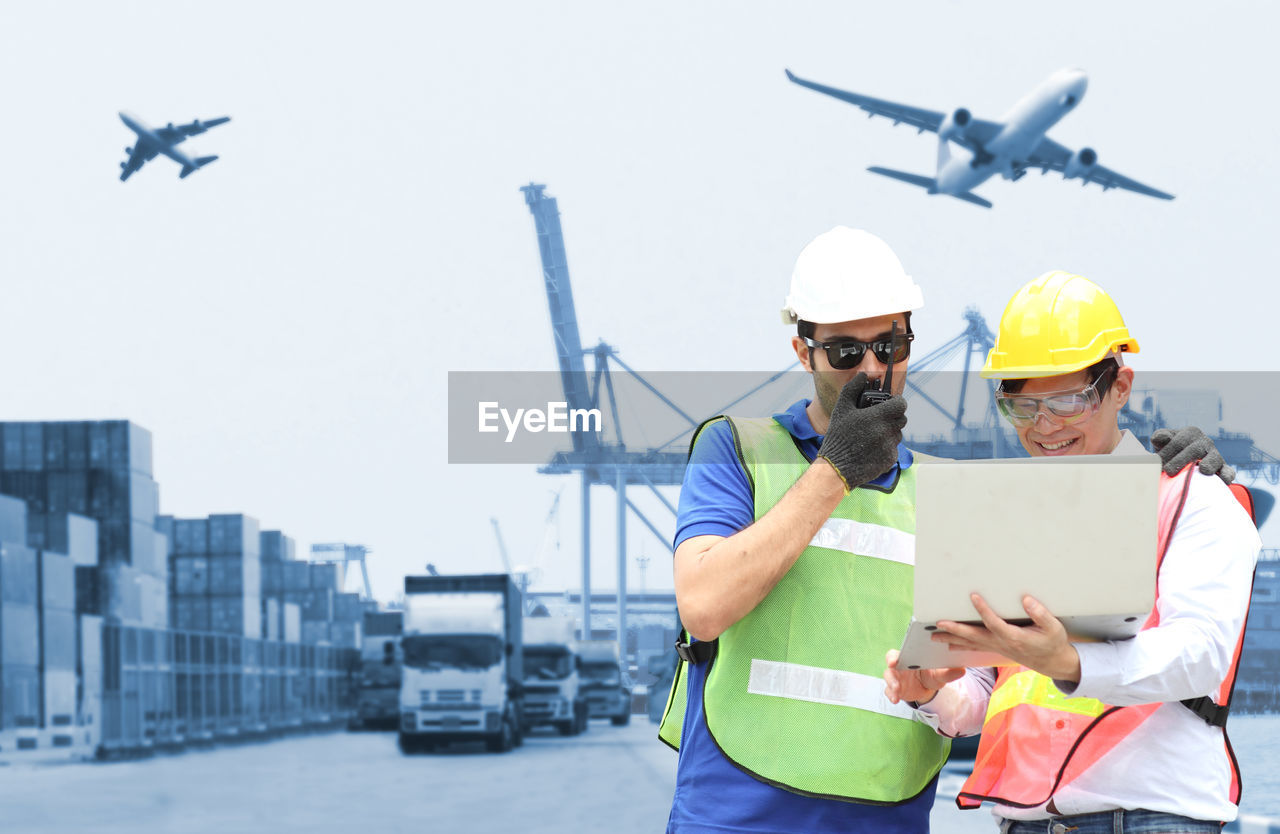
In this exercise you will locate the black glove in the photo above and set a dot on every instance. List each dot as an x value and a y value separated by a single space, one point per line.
862 443
1180 447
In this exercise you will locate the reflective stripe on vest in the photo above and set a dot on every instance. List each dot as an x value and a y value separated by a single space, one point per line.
1035 739
794 694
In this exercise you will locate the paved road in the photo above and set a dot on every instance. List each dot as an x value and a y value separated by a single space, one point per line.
616 780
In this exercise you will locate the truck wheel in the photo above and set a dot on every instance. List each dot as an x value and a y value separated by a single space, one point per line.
409 744
584 719
621 720
503 740
567 728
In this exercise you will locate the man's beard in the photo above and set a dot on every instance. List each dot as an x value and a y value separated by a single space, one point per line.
826 391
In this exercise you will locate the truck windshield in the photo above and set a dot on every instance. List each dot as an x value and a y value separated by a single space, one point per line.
458 651
546 663
605 673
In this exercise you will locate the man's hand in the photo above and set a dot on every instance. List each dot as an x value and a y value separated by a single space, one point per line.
1179 447
1043 646
862 443
919 685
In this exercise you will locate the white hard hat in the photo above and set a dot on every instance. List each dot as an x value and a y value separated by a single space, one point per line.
847 274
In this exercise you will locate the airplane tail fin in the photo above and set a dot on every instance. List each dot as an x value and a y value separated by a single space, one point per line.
929 184
200 163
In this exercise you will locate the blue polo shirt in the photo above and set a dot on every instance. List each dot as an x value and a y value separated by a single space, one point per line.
712 795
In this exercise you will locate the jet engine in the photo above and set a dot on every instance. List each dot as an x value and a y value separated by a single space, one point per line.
1081 163
954 124
128 151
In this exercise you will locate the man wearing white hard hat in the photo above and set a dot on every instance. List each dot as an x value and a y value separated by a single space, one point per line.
793 557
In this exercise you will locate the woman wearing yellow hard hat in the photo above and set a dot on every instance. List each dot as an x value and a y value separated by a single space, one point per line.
1122 736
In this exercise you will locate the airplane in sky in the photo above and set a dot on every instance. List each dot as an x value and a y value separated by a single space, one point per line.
164 140
1010 147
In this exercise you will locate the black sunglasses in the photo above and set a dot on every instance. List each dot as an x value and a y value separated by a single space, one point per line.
848 353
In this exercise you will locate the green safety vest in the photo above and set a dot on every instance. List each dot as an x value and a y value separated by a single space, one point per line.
794 694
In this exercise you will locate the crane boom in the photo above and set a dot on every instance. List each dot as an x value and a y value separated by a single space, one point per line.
564 318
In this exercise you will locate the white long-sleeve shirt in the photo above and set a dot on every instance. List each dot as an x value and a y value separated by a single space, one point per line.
1173 762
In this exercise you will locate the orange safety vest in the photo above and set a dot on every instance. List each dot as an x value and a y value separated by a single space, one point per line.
1035 739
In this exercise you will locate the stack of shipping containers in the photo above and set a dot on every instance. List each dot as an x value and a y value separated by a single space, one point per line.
99 470
216 575
122 630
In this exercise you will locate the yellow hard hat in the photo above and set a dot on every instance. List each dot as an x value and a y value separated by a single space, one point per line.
1059 323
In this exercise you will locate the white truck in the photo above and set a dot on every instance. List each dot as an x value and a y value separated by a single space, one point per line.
604 682
552 691
463 657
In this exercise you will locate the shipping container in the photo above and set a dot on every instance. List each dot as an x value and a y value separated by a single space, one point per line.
144 498
235 615
153 602
59 701
271 618
277 547
55 446
81 536
191 536
326 576
121 589
119 445
19 696
33 447
88 591
190 575
18 582
13 520
272 578
345 635
29 487
235 575
57 581
11 438
291 622
148 549
58 640
347 608
314 605
315 632
297 576
19 635
189 613
235 533
66 492
77 441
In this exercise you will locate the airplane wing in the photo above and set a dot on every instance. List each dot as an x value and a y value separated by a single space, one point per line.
974 135
1049 155
175 134
140 156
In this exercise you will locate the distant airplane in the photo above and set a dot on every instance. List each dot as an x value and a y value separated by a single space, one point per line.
1009 147
164 140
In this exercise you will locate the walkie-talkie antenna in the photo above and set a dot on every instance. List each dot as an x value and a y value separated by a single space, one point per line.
888 372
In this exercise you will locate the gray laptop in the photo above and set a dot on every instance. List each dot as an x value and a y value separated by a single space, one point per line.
1077 532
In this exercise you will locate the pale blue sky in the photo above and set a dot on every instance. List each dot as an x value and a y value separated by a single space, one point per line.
284 320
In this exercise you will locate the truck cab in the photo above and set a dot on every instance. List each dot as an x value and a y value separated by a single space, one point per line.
607 690
552 688
462 662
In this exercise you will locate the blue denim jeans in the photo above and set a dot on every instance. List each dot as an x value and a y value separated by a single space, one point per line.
1113 822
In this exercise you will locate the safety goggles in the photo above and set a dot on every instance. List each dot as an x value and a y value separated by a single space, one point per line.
1065 408
848 353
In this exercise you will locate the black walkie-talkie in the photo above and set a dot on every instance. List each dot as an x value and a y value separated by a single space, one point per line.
875 393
